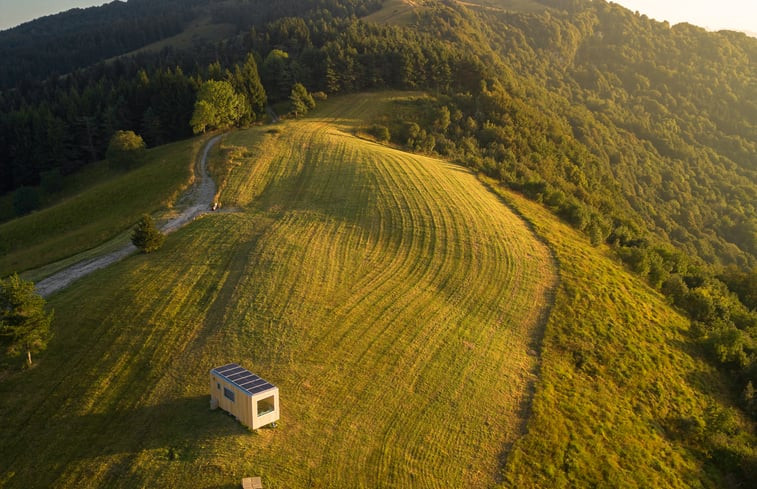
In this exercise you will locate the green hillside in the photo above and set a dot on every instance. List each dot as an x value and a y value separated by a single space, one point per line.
399 305
544 276
106 209
623 399
394 300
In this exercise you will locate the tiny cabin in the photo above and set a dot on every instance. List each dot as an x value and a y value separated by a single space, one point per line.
252 400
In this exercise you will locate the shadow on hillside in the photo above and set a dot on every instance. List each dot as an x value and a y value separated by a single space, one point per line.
174 431
178 424
710 433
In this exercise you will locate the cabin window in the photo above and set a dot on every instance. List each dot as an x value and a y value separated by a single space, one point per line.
218 386
228 394
265 406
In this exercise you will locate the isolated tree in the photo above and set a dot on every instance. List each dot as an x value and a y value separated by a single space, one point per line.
24 323
126 148
146 236
301 101
218 106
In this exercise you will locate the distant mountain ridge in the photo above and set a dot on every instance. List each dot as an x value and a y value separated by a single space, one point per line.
60 43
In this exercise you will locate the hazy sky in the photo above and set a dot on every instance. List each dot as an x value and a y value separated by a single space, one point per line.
14 12
738 15
712 14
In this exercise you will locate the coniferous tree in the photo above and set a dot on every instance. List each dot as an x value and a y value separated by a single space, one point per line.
301 101
24 323
247 82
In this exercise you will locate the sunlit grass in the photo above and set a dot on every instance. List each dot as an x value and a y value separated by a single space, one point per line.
392 298
619 376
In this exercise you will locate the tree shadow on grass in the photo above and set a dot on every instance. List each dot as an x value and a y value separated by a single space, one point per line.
176 430
712 434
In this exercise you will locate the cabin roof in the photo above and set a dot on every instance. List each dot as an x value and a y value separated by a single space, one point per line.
242 378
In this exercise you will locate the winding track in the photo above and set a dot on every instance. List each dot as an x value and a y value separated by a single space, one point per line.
201 195
391 296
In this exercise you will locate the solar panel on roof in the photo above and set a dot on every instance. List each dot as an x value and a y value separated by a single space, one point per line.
243 378
254 383
261 388
226 368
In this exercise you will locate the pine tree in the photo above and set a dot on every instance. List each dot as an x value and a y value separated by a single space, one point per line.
251 86
301 101
24 323
146 236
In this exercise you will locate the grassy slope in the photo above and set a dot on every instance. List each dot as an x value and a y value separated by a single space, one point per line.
623 399
401 12
391 297
200 31
92 217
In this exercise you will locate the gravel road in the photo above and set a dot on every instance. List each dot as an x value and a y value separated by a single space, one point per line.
200 197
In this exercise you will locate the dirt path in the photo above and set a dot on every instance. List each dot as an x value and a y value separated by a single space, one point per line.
199 198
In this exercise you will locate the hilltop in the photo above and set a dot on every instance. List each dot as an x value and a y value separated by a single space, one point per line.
413 323
626 144
367 283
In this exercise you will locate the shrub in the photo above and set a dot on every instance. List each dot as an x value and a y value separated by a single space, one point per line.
125 150
381 133
146 236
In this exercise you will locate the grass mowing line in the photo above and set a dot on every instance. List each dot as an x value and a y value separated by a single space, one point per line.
340 230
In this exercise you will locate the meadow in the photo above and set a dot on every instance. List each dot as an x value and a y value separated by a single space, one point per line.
425 326
625 398
395 301
87 219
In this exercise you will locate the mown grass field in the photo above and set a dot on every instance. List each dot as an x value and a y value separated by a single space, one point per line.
392 298
402 12
85 220
201 30
398 12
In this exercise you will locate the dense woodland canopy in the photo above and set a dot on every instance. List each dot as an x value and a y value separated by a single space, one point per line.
642 135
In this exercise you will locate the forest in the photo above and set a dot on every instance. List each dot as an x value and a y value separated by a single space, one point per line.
641 135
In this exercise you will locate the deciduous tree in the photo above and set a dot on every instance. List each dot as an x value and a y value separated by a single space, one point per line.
218 106
126 148
146 236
